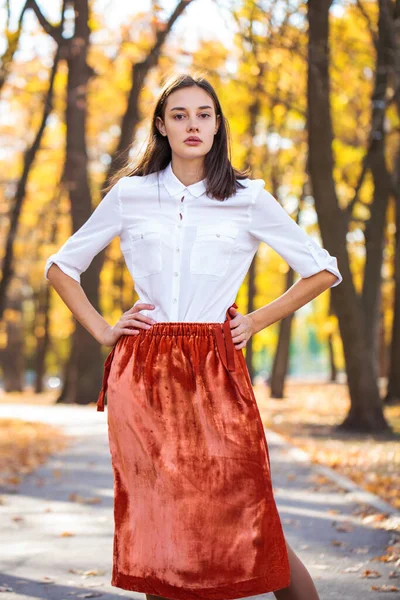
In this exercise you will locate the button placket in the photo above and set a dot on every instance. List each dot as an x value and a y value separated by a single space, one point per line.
177 259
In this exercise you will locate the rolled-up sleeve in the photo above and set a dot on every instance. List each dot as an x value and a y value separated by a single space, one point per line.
270 223
103 225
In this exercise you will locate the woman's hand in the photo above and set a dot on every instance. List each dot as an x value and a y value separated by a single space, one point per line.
242 327
131 317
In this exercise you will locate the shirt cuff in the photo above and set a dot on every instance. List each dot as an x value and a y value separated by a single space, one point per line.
64 268
324 261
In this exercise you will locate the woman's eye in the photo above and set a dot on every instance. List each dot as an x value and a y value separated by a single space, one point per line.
181 115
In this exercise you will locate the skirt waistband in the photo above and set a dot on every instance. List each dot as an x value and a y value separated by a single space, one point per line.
221 331
180 328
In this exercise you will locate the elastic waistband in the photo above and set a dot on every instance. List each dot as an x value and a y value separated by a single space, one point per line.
179 328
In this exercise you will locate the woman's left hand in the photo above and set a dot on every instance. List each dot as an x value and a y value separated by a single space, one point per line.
242 328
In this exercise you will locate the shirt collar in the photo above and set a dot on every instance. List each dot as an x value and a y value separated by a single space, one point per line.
174 186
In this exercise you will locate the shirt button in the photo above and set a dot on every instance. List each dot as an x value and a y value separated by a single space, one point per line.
174 300
176 274
218 235
179 225
177 249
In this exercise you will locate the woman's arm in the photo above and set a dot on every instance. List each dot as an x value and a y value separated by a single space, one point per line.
299 294
78 303
270 223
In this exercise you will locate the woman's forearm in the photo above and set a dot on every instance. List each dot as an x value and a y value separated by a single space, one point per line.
78 303
299 294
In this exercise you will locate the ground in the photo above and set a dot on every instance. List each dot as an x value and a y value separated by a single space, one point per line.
57 520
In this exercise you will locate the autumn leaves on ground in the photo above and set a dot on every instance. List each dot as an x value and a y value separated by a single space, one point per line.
308 417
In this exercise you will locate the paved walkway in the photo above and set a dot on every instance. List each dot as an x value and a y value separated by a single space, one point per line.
57 548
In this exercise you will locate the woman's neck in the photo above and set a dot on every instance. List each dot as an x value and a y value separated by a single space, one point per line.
188 171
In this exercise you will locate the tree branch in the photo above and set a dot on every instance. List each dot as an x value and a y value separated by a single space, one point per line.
55 31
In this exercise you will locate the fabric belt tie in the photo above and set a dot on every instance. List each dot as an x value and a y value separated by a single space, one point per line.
107 367
225 345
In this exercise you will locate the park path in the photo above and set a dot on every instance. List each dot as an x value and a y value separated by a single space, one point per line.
56 529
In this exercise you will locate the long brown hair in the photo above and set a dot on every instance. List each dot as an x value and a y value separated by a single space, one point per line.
221 177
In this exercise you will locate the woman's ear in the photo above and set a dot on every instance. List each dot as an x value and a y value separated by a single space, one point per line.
160 126
218 123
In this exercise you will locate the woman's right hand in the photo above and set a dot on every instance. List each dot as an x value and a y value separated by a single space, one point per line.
131 317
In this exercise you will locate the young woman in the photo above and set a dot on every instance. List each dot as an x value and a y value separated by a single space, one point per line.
194 511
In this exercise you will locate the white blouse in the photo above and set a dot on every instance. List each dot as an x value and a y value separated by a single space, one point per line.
187 253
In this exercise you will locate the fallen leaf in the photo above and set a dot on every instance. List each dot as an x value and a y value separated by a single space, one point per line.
352 569
47 580
384 588
344 527
371 574
93 572
361 550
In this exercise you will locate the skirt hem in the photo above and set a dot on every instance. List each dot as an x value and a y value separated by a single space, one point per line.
240 589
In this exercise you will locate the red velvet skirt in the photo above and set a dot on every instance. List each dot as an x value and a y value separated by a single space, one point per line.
194 512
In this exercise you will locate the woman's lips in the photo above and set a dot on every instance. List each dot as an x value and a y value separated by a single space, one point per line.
192 142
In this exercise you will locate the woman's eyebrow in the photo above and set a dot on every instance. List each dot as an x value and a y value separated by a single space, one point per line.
183 108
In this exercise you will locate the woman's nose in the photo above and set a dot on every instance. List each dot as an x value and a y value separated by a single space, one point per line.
192 124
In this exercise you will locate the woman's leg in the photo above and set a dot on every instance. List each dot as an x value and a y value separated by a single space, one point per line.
301 584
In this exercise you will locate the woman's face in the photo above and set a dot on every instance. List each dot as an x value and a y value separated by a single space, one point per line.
189 112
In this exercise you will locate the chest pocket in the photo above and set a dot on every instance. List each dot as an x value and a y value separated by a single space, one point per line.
212 248
146 248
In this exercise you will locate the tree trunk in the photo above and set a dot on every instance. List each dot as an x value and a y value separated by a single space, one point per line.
366 412
42 309
280 364
85 369
393 387
281 359
13 356
42 341
332 362
375 227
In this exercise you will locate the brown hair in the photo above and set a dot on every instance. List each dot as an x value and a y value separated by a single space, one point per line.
221 177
